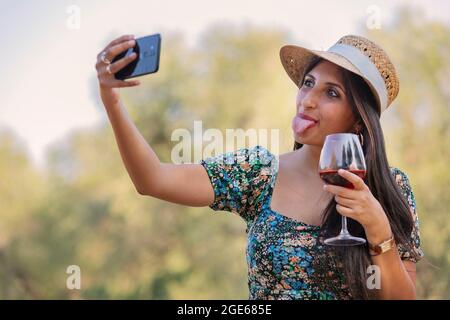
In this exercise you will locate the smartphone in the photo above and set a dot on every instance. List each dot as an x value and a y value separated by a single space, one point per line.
147 61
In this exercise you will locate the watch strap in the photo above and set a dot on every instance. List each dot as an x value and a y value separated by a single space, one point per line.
382 247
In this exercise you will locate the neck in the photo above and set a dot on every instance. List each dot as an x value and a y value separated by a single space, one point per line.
308 159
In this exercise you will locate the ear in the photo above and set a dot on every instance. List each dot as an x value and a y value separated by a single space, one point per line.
358 126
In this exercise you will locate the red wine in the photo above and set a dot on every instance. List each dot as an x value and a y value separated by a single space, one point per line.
332 177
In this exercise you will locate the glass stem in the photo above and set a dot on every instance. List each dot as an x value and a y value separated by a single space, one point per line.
344 230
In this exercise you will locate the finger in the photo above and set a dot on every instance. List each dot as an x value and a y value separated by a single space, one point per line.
111 82
118 65
347 212
129 83
349 203
340 191
119 40
99 63
113 51
114 42
357 182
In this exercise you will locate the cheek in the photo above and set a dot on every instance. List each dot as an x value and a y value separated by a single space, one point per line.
299 98
335 117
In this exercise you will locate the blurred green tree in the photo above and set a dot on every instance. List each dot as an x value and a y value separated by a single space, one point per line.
417 132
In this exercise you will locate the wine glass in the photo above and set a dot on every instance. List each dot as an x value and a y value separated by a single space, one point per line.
342 151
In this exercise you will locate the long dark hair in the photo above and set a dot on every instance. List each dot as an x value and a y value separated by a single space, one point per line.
355 260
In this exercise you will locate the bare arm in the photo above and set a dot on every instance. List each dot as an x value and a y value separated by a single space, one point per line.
186 184
398 278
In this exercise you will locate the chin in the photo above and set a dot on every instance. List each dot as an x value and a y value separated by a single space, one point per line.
314 141
307 141
299 138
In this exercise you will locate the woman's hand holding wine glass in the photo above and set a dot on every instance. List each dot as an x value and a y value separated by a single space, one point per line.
359 204
343 167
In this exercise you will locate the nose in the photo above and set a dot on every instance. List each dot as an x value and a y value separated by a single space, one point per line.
309 99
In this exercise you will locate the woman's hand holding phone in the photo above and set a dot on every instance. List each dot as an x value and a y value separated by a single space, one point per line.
105 69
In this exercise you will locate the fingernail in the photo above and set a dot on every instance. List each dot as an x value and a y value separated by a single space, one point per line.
324 187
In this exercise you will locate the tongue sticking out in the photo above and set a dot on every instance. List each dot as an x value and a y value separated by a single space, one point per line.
300 125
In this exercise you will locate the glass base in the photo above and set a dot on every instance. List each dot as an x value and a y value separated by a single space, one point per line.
344 241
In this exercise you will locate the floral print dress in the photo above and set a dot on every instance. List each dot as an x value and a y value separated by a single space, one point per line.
285 258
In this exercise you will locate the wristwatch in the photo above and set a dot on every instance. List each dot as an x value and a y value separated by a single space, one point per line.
382 247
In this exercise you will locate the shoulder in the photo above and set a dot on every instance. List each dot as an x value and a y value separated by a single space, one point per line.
261 156
414 252
401 178
246 164
240 179
257 154
258 159
397 172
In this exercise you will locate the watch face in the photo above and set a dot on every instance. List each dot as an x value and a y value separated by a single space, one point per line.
385 246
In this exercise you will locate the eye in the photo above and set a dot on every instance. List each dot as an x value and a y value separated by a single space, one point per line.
333 93
308 83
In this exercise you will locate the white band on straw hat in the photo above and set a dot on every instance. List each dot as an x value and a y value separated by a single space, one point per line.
366 68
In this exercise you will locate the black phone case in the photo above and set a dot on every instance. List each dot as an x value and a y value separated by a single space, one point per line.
147 61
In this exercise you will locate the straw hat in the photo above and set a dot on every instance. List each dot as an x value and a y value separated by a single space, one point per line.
354 53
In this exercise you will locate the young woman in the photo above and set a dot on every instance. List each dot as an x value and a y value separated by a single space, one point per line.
287 208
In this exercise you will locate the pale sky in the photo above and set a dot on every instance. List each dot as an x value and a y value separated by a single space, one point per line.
48 76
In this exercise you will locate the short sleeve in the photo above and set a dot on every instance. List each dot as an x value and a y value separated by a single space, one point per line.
240 179
414 253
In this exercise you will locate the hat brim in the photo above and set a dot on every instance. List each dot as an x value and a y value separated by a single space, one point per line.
295 59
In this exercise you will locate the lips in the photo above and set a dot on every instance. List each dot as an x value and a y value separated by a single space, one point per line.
306 117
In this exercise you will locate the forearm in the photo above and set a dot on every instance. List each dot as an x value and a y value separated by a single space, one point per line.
138 157
395 280
396 283
360 204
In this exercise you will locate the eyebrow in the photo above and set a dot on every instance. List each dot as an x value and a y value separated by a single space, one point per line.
331 83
